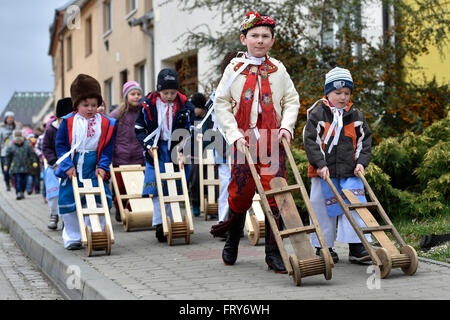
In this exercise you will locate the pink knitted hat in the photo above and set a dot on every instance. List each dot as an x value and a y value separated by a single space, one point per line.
130 85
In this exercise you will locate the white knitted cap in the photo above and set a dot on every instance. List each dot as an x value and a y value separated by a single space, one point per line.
338 78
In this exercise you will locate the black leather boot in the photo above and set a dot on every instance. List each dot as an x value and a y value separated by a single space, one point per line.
230 250
273 256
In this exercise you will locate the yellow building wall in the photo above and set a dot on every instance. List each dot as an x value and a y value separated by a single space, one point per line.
432 64
81 62
128 47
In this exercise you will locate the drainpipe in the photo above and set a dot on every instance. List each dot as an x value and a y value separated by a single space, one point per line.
145 22
61 43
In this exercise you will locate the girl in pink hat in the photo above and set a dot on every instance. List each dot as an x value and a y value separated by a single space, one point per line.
127 149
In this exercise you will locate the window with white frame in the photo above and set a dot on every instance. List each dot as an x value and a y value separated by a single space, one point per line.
109 93
131 6
107 16
141 72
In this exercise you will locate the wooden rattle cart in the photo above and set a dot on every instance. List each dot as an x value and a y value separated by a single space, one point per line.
180 227
208 204
304 262
388 256
255 222
137 212
93 238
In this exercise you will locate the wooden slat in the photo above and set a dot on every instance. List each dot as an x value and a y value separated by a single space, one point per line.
141 205
172 189
91 204
130 167
289 232
281 190
89 211
367 205
160 192
117 191
105 207
210 172
258 210
201 173
88 190
380 228
370 221
209 182
171 199
79 207
286 204
133 182
187 205
170 175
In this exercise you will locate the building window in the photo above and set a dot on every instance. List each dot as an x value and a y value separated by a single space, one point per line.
141 76
148 5
107 16
131 6
186 68
69 53
123 77
88 36
109 94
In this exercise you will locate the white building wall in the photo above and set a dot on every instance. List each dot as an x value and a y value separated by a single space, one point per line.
169 26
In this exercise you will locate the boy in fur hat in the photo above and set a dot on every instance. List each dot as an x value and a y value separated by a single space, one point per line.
256 111
84 146
161 113
337 142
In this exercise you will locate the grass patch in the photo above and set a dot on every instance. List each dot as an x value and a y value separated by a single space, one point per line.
413 230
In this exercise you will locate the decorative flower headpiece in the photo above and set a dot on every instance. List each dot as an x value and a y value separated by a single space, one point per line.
254 19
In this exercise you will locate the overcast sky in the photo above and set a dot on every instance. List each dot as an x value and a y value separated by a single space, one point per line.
24 41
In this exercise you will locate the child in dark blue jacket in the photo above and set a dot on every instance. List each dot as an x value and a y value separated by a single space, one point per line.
161 113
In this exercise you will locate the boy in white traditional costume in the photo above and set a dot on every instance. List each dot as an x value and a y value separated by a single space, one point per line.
256 105
337 142
84 147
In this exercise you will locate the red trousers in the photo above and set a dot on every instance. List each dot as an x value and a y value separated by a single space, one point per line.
242 186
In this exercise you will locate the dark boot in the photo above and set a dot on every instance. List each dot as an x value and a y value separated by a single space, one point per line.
160 233
273 256
230 250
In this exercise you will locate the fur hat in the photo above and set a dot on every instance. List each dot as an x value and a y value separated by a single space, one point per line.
198 100
167 79
84 87
337 79
63 107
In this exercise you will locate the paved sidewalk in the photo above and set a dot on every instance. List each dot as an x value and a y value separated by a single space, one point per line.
141 268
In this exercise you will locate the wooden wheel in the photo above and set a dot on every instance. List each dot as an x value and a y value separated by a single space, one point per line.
108 239
326 256
297 277
386 261
126 223
169 235
254 237
89 242
411 252
187 238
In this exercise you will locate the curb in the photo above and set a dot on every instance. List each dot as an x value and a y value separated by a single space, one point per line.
57 263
